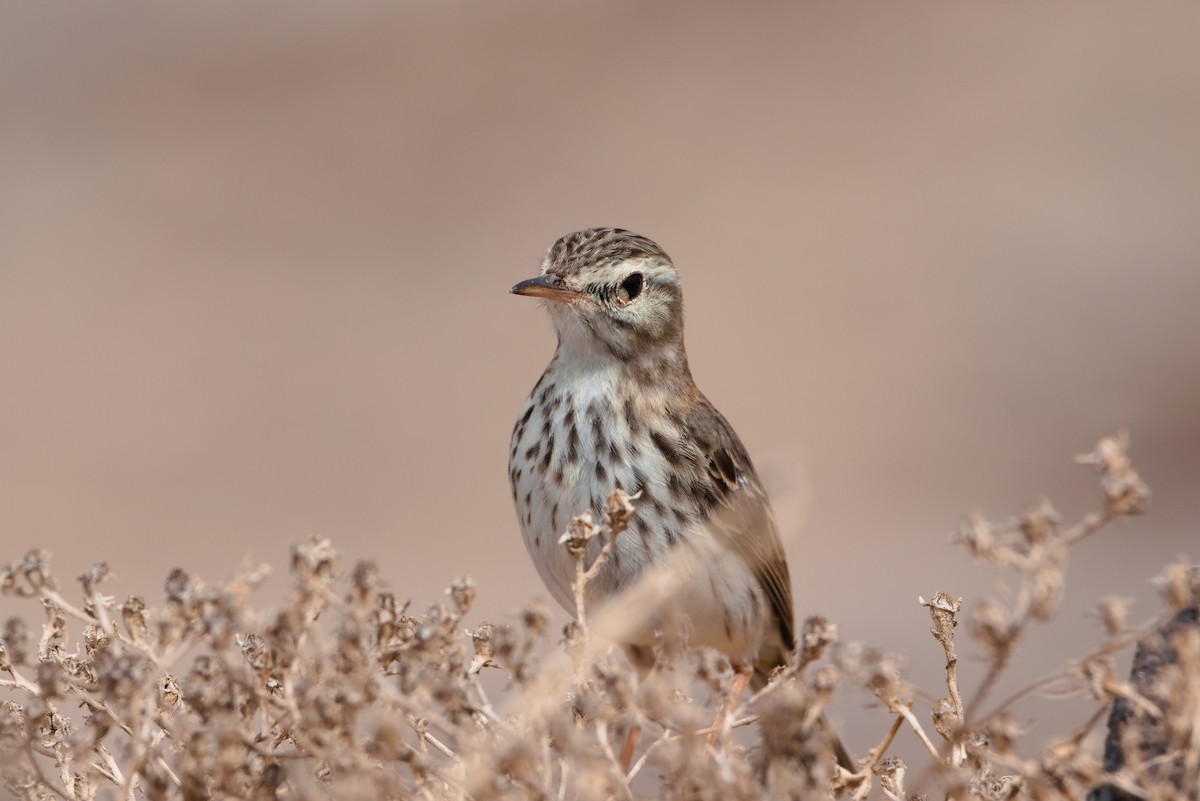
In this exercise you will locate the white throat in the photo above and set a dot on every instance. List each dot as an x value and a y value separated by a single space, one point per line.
578 344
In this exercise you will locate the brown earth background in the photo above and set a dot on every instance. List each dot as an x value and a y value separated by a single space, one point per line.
254 264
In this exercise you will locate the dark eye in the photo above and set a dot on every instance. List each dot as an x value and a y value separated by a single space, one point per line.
631 287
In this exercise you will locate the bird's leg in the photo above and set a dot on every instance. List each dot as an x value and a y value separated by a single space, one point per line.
627 749
737 686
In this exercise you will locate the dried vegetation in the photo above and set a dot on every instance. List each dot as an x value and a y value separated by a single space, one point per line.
346 692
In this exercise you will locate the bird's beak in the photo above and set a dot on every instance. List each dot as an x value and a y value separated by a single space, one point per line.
547 286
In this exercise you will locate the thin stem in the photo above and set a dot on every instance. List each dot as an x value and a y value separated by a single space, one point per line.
905 712
1088 526
637 766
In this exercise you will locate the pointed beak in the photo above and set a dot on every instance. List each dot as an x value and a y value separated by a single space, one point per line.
547 286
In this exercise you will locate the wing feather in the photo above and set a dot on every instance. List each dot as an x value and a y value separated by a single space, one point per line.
742 511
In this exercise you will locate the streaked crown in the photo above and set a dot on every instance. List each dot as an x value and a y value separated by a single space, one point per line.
612 288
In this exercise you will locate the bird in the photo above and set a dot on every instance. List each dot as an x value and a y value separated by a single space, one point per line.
617 408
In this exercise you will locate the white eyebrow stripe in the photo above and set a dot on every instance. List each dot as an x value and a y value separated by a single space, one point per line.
661 273
649 265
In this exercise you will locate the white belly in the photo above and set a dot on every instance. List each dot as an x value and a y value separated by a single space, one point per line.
667 573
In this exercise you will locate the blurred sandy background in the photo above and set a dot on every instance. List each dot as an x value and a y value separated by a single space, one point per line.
254 264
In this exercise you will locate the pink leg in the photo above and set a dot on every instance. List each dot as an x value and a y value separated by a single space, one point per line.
627 749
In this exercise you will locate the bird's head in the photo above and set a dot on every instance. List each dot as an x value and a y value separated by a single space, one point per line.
611 292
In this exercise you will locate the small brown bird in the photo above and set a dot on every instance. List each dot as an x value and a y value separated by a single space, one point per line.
617 408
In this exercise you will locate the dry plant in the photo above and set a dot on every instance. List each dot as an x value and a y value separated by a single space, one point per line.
346 692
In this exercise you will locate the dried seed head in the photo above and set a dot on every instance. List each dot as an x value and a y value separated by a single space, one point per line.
437 623
53 730
816 634
1046 584
574 641
945 717
29 577
257 654
990 787
881 673
619 511
1124 492
992 628
535 617
891 776
942 602
51 680
364 580
180 587
824 682
1179 584
579 533
169 693
14 642
976 533
136 617
92 578
121 678
616 682
978 746
462 593
943 608
314 559
54 630
12 734
94 639
481 639
1003 732
713 668
1040 522
1113 612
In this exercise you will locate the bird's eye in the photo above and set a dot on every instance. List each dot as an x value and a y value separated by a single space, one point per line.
631 287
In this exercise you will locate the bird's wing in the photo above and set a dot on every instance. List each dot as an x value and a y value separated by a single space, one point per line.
741 511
